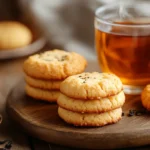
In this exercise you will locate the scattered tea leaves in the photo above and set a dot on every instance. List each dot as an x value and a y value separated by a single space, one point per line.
136 112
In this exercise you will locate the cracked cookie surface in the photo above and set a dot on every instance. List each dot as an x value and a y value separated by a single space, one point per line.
55 64
91 85
91 106
145 97
40 94
92 119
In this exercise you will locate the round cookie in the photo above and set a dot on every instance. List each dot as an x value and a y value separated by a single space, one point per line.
40 94
14 35
93 119
91 85
91 106
43 84
56 64
145 97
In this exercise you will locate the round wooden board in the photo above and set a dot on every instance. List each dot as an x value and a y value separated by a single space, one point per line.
40 119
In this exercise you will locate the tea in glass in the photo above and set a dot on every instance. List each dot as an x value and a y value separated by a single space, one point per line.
123 45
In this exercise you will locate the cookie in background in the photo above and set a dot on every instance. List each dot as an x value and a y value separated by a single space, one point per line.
45 72
13 35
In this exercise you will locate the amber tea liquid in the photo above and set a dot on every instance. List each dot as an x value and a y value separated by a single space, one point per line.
125 52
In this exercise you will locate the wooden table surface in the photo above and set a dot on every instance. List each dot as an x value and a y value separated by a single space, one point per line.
10 73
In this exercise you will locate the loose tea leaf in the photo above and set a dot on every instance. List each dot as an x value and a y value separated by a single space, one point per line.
4 141
131 113
139 114
8 145
136 112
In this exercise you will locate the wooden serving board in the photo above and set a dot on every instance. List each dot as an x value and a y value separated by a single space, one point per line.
40 119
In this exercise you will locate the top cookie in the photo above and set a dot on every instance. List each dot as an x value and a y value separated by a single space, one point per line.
56 64
14 35
91 85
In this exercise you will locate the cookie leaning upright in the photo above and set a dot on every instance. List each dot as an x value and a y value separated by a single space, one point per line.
91 99
56 64
45 72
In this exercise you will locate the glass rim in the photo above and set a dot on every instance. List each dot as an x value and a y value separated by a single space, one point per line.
107 6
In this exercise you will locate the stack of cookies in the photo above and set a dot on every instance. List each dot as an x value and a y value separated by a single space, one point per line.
91 99
45 71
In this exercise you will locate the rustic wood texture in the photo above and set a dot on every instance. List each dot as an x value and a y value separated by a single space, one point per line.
10 73
40 119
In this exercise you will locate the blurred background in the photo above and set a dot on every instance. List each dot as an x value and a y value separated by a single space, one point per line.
65 24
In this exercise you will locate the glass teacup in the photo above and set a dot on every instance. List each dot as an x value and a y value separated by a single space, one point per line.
122 37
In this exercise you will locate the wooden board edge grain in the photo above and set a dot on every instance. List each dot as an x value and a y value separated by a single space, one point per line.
76 139
1 118
82 143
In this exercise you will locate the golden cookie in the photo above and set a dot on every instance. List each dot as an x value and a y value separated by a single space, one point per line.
14 35
91 85
91 106
46 95
146 97
93 119
43 84
56 64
